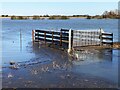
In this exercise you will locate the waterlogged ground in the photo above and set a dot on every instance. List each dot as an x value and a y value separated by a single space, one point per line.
53 68
40 66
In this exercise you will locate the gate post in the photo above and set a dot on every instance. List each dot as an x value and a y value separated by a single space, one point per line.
33 36
69 44
60 38
101 31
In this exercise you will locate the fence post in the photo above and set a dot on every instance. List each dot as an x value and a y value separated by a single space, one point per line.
45 37
60 38
33 36
69 44
52 38
101 37
71 38
112 39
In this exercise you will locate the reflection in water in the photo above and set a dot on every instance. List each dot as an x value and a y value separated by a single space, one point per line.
20 40
58 58
102 63
105 54
92 56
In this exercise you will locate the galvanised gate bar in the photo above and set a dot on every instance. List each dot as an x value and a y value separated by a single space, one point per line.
69 39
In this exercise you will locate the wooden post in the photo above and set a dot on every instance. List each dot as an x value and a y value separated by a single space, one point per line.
45 37
61 38
33 35
101 37
76 36
71 38
53 38
69 44
112 40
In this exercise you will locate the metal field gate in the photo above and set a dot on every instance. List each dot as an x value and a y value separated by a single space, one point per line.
91 37
86 37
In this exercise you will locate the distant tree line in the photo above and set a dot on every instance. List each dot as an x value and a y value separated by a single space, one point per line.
111 14
4 15
79 15
37 17
58 17
19 17
107 14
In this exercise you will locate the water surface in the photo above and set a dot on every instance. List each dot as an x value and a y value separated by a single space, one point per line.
102 63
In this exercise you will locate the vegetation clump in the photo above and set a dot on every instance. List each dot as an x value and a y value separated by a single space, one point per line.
89 17
107 14
19 18
58 17
35 17
111 14
4 15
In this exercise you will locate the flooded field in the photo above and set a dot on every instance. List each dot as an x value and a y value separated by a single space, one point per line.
55 68
34 66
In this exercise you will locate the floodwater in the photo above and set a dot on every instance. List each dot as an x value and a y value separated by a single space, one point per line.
97 63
